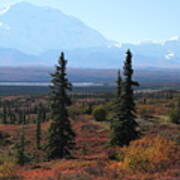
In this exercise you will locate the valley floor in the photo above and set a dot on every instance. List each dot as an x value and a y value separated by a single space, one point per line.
154 156
91 156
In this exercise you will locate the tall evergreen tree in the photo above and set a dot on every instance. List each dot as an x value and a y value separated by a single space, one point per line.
124 126
4 120
61 136
38 129
20 149
119 84
43 115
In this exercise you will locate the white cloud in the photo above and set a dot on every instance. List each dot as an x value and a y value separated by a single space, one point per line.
4 26
170 55
174 38
4 10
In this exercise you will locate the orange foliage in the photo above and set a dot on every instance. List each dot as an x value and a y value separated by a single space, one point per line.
155 156
149 154
152 109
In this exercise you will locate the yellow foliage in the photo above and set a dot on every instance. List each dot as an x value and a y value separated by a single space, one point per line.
7 167
149 154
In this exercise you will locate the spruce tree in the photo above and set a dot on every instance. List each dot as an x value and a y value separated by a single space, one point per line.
43 115
61 136
20 149
38 130
4 120
119 84
124 126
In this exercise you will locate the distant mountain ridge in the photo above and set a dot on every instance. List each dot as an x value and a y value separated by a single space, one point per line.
13 57
31 35
34 29
96 57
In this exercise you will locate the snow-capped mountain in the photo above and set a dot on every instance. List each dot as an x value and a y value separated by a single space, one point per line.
33 35
34 29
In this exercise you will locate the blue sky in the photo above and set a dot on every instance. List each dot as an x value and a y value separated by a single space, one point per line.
122 20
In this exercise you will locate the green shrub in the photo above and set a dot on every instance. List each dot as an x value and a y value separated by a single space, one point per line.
115 155
4 139
87 109
175 113
77 110
74 111
175 116
99 113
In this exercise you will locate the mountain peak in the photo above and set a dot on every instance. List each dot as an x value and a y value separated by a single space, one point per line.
23 4
29 8
35 29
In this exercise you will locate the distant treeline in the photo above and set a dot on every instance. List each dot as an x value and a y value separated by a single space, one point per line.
146 76
45 90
